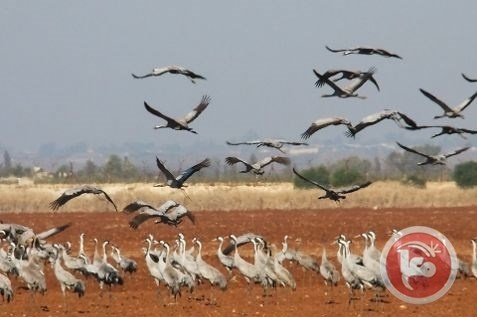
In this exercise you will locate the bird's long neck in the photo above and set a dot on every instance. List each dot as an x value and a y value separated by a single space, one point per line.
81 246
474 253
199 251
105 257
95 253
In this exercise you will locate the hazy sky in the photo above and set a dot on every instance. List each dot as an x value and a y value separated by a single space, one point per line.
66 67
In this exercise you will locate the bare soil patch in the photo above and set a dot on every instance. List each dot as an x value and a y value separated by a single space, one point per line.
139 296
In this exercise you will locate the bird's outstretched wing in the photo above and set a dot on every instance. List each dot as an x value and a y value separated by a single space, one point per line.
191 170
322 123
244 142
159 114
353 188
136 205
241 240
442 104
67 196
51 232
197 110
75 192
293 142
144 216
167 205
457 151
277 159
409 122
309 180
164 170
335 50
413 151
327 81
141 76
192 75
231 160
386 53
465 103
109 199
472 80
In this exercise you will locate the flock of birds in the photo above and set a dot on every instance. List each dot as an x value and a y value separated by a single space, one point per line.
24 252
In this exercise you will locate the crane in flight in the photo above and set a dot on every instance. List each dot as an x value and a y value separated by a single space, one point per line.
178 182
363 50
333 194
471 80
345 74
272 143
349 90
172 69
78 191
439 159
374 118
257 167
323 123
450 112
180 123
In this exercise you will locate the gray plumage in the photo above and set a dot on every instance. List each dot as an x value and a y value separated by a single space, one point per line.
334 194
6 288
178 182
364 50
78 191
183 122
351 89
172 69
450 112
257 167
439 159
323 123
273 143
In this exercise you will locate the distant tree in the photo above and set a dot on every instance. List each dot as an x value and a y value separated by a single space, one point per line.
7 164
112 169
403 164
129 170
346 176
465 174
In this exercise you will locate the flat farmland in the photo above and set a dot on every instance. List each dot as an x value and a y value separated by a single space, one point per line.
311 229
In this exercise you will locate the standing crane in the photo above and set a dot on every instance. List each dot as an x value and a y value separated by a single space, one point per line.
207 271
180 123
66 279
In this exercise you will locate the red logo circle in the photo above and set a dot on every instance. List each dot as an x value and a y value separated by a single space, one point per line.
418 265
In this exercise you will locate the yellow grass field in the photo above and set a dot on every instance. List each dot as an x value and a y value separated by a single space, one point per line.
227 197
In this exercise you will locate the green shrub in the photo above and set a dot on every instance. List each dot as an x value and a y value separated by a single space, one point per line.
346 176
319 174
415 180
465 174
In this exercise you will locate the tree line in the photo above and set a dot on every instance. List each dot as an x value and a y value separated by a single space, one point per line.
400 166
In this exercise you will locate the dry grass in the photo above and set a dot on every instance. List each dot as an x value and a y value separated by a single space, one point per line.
226 197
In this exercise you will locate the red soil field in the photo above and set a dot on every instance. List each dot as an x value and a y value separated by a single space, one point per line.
309 229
